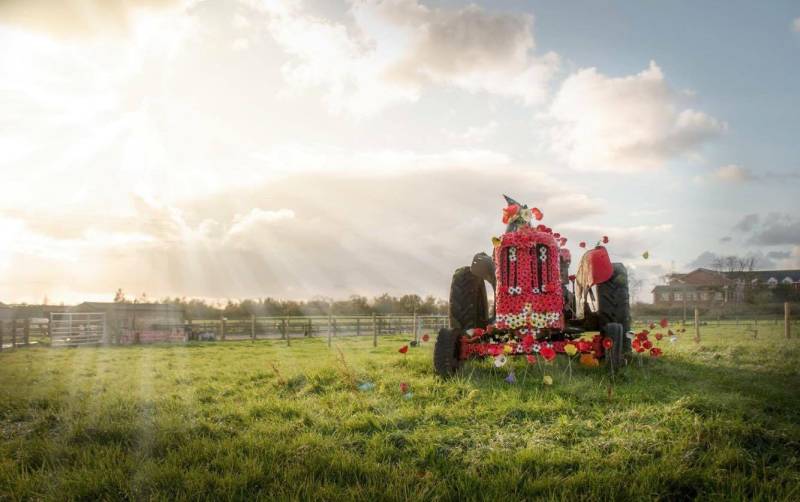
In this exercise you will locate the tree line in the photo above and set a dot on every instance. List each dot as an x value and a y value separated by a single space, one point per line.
195 308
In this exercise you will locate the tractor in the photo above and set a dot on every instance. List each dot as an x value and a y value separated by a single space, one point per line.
534 307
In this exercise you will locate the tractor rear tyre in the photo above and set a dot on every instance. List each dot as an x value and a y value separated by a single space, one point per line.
614 305
615 356
468 302
445 352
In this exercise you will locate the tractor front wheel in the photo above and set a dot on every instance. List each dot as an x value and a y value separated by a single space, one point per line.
445 352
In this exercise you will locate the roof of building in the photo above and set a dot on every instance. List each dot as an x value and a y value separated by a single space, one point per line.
765 275
701 277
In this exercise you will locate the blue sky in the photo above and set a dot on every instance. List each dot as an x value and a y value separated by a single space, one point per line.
220 149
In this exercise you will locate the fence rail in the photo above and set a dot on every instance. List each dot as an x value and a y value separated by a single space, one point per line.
66 329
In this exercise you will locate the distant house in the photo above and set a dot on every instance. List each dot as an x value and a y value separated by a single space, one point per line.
709 287
138 322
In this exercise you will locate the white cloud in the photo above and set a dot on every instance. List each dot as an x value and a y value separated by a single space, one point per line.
733 174
473 134
625 124
257 217
395 49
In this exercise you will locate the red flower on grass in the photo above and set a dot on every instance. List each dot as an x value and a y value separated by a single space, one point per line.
548 353
664 323
403 349
647 344
404 387
607 343
659 336
425 337
531 359
655 352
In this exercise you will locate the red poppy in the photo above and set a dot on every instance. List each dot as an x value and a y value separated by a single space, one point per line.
572 277
404 387
531 359
540 228
537 213
425 337
607 343
655 352
557 235
647 344
664 323
605 239
659 336
641 336
640 350
403 349
494 350
527 342
548 353
636 344
582 244
477 332
584 346
509 212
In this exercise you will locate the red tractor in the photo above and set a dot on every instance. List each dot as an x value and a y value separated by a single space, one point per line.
534 308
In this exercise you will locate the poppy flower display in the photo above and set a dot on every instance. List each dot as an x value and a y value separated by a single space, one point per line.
548 353
403 349
664 323
655 352
659 336
509 212
537 214
607 343
647 344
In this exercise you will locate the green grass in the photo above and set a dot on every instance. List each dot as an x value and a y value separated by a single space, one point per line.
238 420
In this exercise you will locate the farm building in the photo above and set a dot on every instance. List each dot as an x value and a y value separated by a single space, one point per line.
127 323
710 287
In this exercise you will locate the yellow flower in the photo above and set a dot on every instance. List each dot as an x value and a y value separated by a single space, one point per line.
507 349
496 242
548 380
570 349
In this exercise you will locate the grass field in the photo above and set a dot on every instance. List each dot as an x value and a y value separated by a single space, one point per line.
242 420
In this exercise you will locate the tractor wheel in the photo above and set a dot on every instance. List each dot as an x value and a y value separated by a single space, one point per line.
468 302
615 357
614 305
445 352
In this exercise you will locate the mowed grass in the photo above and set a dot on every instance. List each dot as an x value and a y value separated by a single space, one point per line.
242 420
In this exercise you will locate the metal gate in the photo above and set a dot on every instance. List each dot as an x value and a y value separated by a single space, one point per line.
74 328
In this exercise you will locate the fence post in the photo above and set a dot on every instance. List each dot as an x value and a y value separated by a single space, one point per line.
310 329
13 333
697 325
414 328
786 330
285 324
252 327
2 326
374 331
330 329
222 328
26 332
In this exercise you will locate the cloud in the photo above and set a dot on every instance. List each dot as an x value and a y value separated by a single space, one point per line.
726 239
625 124
747 223
732 173
394 50
320 232
796 25
474 134
80 18
776 229
713 260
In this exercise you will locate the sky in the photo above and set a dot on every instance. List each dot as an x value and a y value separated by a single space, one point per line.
300 149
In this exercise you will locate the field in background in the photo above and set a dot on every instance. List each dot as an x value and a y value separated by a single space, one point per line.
214 420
